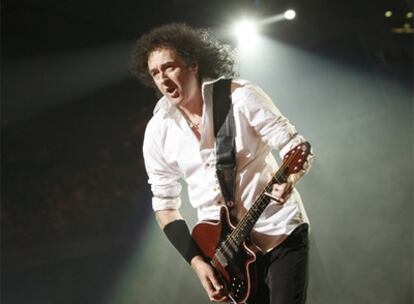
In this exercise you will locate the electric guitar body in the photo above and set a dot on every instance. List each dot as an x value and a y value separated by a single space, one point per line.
235 267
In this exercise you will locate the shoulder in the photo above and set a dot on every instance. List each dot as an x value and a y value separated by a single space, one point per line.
249 94
157 128
243 93
162 114
244 87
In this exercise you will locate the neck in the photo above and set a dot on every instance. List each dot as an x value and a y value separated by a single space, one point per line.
194 107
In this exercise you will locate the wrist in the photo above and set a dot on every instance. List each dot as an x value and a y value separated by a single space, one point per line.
196 260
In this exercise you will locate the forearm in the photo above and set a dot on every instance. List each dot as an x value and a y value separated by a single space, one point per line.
164 217
177 232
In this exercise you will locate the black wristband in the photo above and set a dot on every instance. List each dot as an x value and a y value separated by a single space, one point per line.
179 235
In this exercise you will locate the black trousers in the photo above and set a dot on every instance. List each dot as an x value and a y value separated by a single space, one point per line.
283 272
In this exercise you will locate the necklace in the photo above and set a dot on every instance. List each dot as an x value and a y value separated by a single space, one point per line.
192 124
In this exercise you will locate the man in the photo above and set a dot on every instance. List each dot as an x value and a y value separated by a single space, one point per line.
182 64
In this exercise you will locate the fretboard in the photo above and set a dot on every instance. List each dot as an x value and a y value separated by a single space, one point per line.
243 228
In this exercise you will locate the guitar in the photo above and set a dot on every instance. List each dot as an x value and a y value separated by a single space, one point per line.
227 246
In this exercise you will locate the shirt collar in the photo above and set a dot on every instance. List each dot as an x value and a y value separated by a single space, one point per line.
170 109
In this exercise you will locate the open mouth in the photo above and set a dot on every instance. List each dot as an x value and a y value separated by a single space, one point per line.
173 92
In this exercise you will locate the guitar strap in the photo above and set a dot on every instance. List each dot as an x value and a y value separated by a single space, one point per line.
224 130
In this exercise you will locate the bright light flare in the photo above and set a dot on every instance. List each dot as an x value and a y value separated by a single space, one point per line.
245 28
290 14
246 32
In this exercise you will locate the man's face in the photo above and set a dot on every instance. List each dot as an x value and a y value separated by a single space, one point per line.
175 80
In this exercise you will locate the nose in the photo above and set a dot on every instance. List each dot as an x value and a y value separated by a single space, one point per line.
164 79
163 76
160 79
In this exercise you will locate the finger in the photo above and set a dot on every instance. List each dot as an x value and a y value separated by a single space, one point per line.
282 187
277 191
208 287
209 290
218 299
216 284
218 296
270 195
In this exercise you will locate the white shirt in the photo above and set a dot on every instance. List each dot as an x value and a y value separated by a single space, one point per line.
172 151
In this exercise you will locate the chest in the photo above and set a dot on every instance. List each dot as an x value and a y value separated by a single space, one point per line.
190 151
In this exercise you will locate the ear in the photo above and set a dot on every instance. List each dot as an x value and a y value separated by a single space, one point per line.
193 67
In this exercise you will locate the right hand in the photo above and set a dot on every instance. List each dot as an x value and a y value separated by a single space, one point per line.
211 285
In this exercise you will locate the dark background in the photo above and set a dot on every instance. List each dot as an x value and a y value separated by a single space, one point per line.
76 219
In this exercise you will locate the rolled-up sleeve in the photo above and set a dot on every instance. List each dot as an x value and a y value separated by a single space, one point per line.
162 176
274 128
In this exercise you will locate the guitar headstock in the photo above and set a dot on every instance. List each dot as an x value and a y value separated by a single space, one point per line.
295 160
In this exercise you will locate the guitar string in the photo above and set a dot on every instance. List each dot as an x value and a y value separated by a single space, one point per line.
260 200
233 236
262 197
236 231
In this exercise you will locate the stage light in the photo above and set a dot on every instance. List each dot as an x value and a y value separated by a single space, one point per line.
290 14
409 15
388 14
245 28
246 32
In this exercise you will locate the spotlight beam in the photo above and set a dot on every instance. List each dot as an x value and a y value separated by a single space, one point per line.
287 15
272 19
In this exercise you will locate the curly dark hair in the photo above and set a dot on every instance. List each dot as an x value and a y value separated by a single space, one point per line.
214 58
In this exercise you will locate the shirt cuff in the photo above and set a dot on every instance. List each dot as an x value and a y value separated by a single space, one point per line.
159 203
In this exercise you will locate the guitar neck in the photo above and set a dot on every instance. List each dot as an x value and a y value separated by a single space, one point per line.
293 162
244 227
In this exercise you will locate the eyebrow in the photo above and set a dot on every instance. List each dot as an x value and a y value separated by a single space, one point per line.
162 66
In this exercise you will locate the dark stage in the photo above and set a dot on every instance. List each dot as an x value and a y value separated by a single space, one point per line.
76 218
